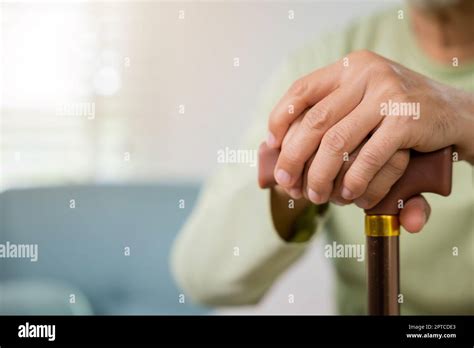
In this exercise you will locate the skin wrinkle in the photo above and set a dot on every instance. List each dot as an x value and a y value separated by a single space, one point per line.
402 86
426 114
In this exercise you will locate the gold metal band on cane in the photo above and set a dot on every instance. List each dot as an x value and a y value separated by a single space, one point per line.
382 226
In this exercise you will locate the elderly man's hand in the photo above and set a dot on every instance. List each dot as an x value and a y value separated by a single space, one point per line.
371 105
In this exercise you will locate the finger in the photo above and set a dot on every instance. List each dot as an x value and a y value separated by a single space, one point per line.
306 138
373 156
335 196
292 130
340 140
303 93
304 188
295 190
415 214
336 192
384 180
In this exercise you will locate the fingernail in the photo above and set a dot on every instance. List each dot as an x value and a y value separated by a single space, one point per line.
282 177
271 140
314 196
336 202
362 203
296 193
347 194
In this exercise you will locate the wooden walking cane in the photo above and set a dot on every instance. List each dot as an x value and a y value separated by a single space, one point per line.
426 172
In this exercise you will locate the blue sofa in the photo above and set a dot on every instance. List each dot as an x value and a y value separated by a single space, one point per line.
82 250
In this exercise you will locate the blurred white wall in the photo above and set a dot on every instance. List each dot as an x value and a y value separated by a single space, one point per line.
137 62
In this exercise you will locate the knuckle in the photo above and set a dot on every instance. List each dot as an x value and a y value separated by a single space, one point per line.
393 85
371 158
401 127
336 140
317 118
381 69
363 53
399 95
298 87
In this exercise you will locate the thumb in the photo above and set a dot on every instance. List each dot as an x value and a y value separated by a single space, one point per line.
415 214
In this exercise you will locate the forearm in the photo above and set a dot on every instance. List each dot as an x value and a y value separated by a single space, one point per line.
229 252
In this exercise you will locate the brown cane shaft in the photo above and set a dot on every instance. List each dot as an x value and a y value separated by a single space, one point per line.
383 275
383 272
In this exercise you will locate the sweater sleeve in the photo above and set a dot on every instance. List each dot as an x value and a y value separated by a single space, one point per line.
229 252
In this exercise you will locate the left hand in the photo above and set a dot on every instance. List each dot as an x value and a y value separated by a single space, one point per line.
341 106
